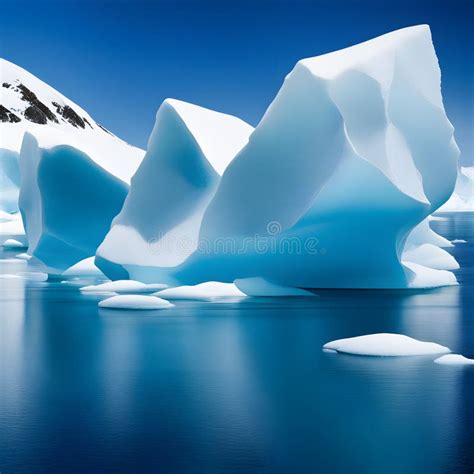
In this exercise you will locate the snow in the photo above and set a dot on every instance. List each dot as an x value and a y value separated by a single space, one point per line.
124 286
204 291
83 268
188 150
385 344
454 359
13 244
135 302
260 287
67 210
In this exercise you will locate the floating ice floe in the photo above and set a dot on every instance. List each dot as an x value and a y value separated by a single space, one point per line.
454 359
23 256
458 241
324 193
8 276
385 344
203 291
135 302
84 268
124 286
13 244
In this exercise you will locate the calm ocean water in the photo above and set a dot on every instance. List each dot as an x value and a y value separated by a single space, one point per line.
236 386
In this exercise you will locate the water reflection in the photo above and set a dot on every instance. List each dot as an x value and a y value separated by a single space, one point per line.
234 387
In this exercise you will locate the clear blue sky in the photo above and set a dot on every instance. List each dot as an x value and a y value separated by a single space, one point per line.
120 59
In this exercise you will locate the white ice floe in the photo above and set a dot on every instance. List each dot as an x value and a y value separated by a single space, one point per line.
203 291
260 287
454 359
459 241
8 276
13 244
124 286
135 302
23 256
385 344
84 268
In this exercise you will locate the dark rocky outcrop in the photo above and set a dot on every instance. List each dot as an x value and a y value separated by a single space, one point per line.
105 130
36 115
7 116
37 112
6 85
70 115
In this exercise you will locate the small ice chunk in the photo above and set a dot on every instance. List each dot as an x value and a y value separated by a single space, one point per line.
83 268
458 241
23 256
8 276
454 359
203 291
13 244
125 286
385 344
135 302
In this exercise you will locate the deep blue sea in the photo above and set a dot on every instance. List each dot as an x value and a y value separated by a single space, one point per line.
235 387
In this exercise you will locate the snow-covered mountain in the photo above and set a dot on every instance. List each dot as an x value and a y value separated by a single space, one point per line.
68 162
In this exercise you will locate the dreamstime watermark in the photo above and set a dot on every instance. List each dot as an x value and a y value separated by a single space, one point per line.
273 241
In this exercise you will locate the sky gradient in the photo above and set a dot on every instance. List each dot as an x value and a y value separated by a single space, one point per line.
120 59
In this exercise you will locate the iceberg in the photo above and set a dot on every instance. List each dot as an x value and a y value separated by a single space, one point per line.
188 150
384 344
66 210
135 302
328 191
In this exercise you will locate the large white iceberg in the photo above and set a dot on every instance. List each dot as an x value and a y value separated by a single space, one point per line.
158 227
351 156
74 173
